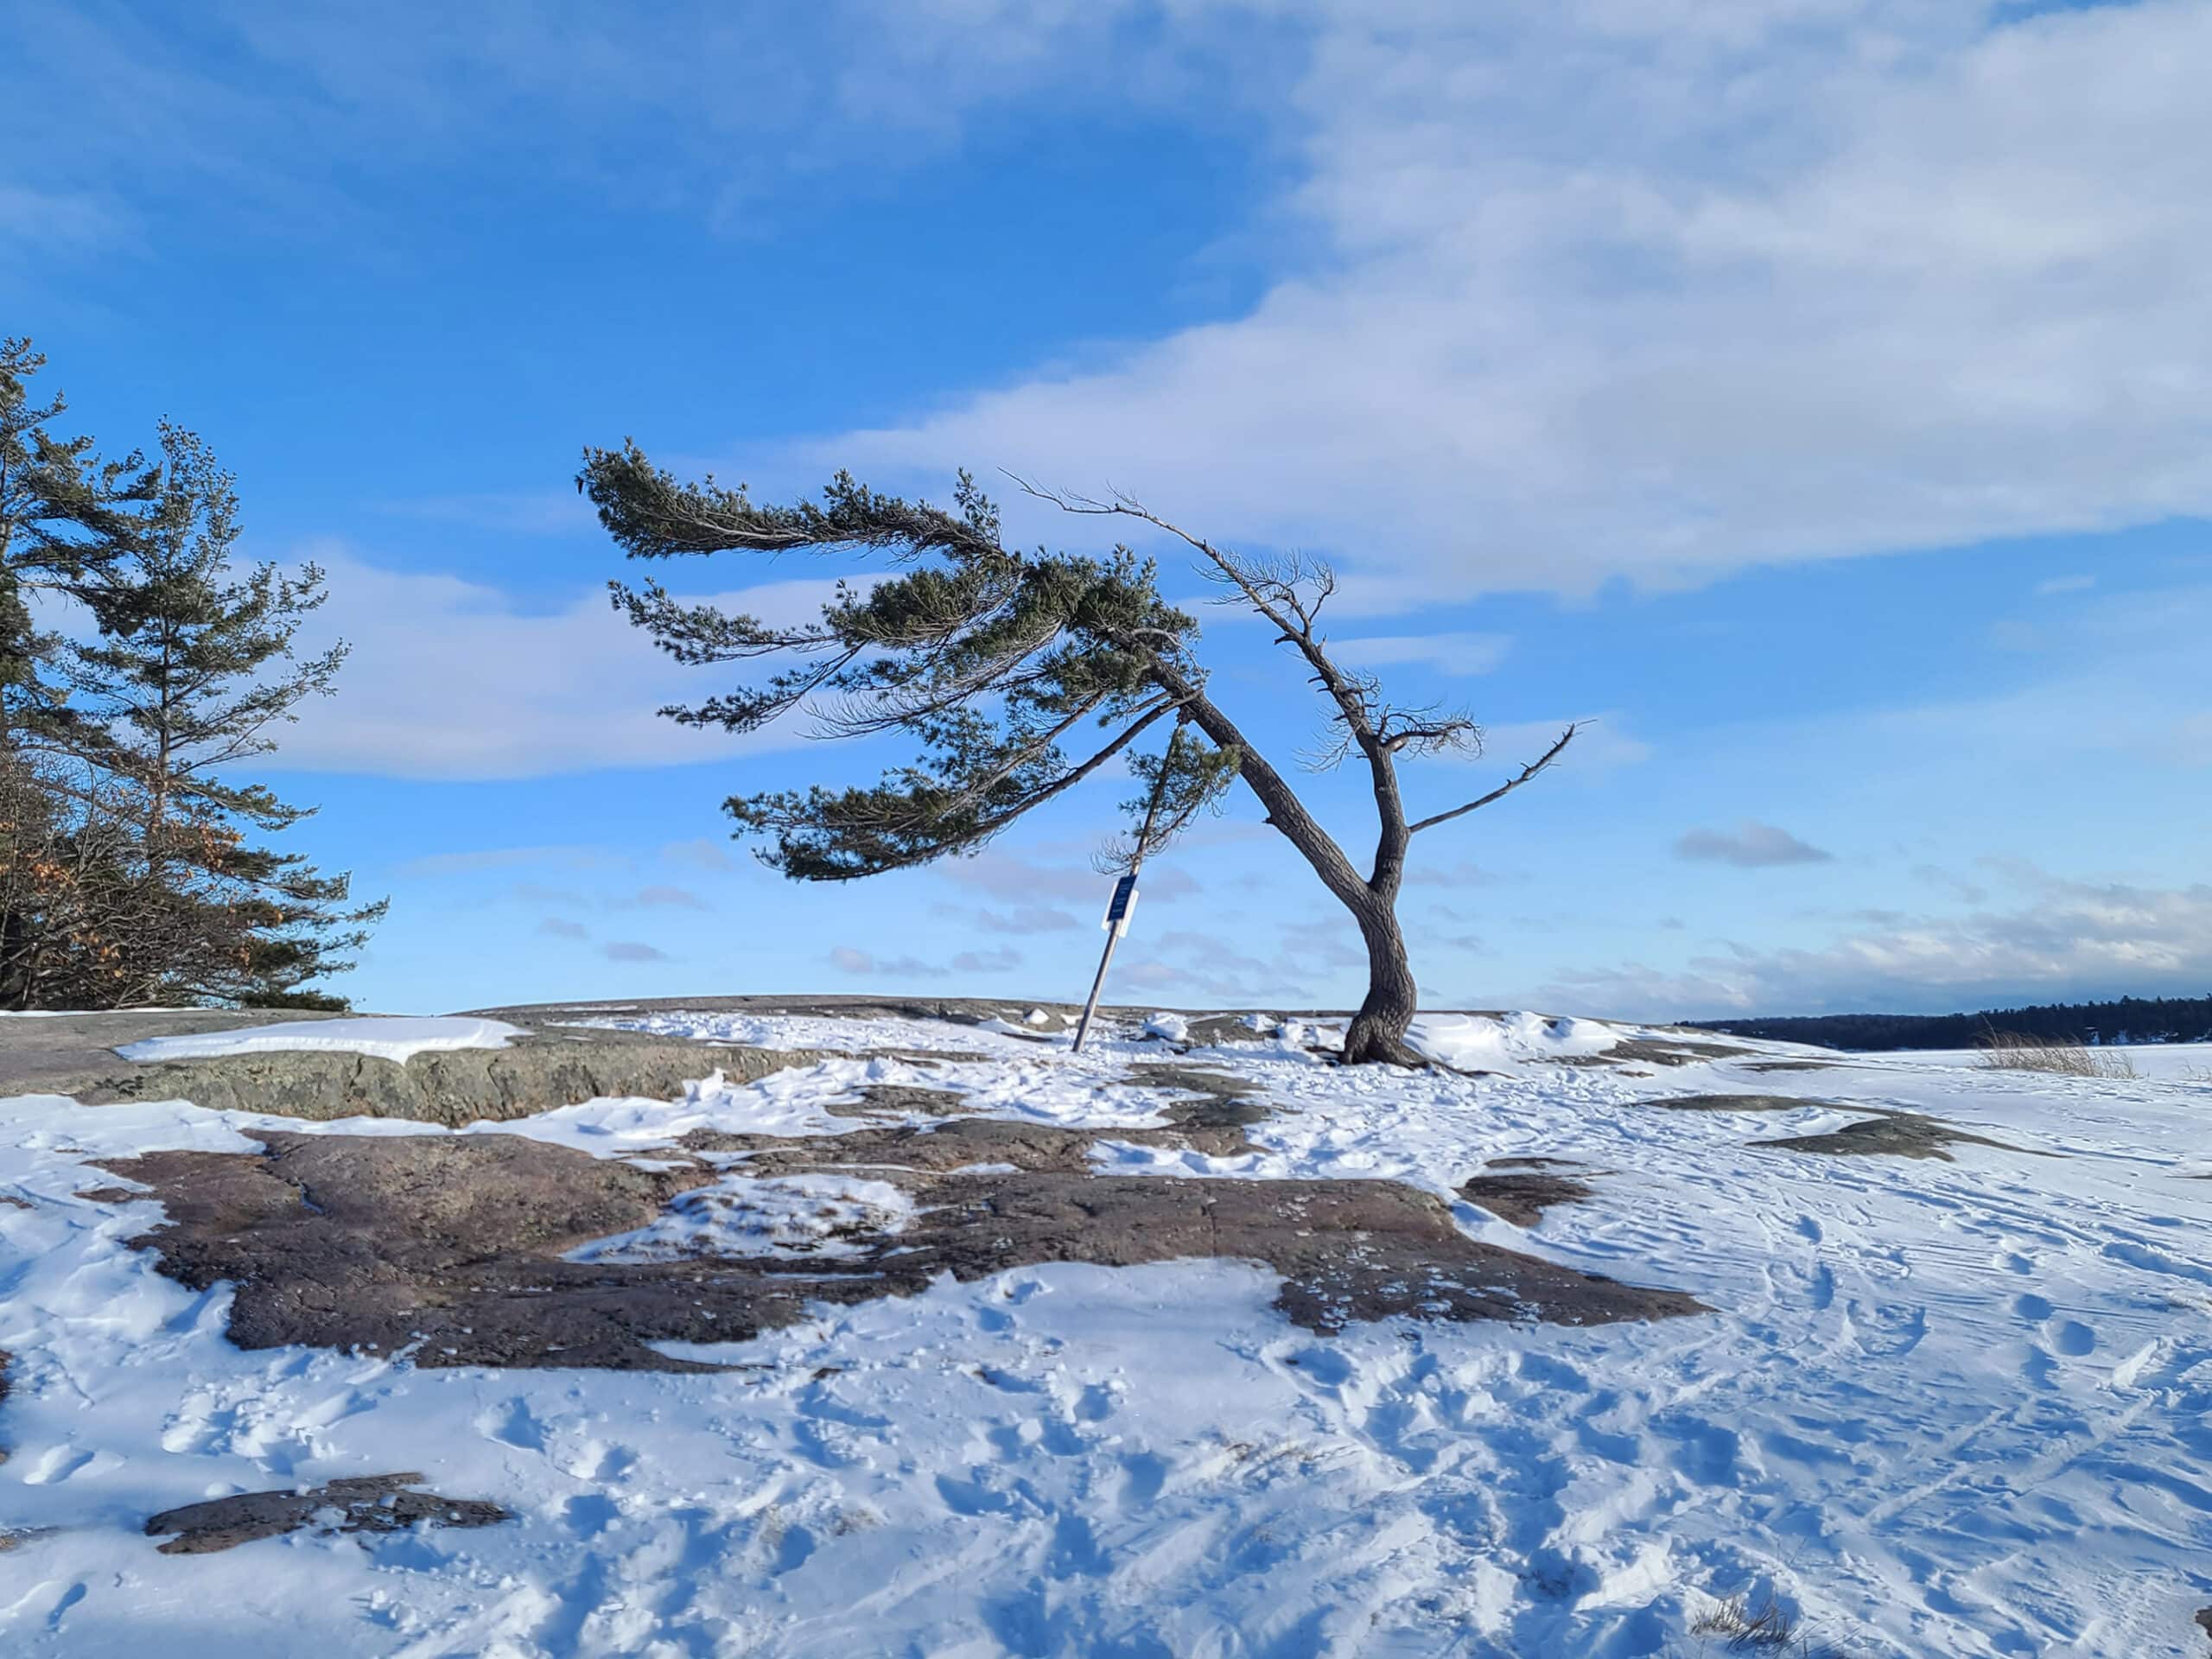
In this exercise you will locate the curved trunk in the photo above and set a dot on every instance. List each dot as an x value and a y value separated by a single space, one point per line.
1378 1032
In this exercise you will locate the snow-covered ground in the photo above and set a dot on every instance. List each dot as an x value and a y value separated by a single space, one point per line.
2173 1062
383 1036
1940 1408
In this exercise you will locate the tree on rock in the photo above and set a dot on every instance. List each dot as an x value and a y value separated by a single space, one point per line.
193 670
994 661
61 510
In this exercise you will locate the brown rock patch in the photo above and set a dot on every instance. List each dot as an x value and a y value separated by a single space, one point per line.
898 1099
360 1503
1898 1134
1521 1197
452 1087
1657 1051
452 1246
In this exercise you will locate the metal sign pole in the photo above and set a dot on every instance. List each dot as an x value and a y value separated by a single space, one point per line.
1125 890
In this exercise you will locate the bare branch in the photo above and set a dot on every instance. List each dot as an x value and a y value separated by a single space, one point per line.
1507 788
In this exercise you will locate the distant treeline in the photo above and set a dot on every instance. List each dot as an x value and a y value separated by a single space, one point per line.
2131 1019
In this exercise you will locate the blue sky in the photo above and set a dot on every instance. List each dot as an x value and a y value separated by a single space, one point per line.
1814 393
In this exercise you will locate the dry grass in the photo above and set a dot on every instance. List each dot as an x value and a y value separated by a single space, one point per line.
2012 1051
1759 1626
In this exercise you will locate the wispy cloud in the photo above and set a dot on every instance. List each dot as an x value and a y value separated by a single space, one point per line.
503 858
1009 877
847 959
702 854
1750 846
450 678
633 950
2062 937
666 898
1026 918
1447 653
1548 351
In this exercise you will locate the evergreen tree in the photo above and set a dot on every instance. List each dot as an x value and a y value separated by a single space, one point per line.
990 659
60 511
192 669
61 508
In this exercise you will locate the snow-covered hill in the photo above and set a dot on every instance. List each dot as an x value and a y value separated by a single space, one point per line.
1939 1408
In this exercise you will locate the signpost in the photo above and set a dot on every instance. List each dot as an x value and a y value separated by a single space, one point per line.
1124 900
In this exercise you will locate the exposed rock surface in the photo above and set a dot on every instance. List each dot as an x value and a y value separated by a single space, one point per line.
1899 1135
1523 1195
1663 1050
898 1100
1741 1103
50 1053
359 1503
452 1246
451 1086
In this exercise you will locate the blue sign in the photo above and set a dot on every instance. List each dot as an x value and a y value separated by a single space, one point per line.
1125 894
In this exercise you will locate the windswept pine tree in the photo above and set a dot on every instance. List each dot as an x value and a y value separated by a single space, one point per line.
1017 675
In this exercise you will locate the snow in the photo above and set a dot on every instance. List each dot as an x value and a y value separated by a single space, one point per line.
1938 1409
783 1215
1481 1042
382 1037
2173 1062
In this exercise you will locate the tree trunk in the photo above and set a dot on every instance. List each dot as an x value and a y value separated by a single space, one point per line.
1378 1030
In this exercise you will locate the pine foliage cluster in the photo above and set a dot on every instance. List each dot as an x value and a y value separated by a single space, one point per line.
1016 675
140 665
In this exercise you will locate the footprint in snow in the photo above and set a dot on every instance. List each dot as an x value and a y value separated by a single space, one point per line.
513 1424
1096 1404
56 1464
2071 1337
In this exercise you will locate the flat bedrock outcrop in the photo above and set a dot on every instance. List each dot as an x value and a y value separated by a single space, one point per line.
453 1249
367 1503
450 1087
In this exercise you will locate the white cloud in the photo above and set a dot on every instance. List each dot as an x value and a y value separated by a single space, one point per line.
1799 280
1026 918
700 853
665 898
1022 881
1750 846
862 963
1448 653
501 858
46 219
455 679
284 111
2068 939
